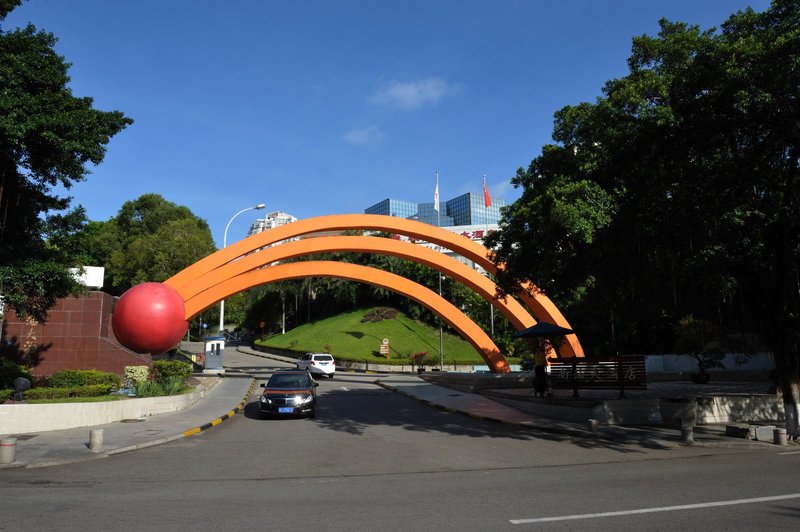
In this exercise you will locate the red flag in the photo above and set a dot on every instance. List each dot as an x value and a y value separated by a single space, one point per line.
487 199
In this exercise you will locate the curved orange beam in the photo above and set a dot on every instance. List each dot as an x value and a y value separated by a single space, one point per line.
298 270
540 304
459 271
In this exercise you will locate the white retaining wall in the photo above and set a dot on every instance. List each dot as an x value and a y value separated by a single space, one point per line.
26 418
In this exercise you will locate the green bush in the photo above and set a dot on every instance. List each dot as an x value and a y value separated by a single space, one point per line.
10 371
164 369
5 395
173 385
149 389
74 378
92 390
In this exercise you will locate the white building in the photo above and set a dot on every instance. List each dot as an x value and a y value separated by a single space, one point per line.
271 221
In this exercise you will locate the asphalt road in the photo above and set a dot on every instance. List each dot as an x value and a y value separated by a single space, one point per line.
375 460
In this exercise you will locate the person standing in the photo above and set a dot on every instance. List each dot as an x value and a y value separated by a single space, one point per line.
540 373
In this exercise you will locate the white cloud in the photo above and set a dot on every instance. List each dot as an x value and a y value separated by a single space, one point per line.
412 95
501 189
369 137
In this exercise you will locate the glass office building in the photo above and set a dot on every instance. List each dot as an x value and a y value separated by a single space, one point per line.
467 209
392 207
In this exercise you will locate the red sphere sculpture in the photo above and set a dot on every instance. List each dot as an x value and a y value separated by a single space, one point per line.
149 318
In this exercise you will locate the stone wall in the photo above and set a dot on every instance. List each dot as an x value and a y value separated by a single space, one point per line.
76 335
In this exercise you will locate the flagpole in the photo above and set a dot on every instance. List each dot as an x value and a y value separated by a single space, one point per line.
439 224
487 202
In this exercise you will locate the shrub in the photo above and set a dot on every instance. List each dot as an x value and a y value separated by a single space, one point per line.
424 359
73 378
166 369
173 385
5 395
10 371
149 389
136 374
92 390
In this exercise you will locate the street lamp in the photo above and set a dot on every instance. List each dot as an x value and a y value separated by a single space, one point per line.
224 245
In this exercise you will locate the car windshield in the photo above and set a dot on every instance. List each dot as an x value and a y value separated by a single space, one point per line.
288 381
323 357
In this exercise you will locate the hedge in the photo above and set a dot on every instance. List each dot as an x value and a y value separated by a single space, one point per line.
92 390
164 369
73 378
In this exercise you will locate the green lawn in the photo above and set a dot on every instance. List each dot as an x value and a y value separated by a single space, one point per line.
347 337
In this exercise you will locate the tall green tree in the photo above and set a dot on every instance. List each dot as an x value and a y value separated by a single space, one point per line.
150 239
47 138
676 194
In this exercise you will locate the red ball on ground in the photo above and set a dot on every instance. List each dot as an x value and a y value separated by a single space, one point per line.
149 318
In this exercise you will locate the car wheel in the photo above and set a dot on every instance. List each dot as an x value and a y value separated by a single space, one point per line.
312 414
330 376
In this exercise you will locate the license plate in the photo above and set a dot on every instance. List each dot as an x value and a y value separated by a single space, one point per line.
285 409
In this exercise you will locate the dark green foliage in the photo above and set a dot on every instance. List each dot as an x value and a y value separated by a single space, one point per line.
676 193
149 389
150 239
173 385
5 395
93 390
163 370
74 378
48 138
10 371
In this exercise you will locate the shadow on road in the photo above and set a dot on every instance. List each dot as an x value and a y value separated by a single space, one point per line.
347 411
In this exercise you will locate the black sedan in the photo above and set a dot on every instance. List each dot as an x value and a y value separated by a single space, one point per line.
289 393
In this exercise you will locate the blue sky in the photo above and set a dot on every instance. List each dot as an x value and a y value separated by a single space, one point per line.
324 107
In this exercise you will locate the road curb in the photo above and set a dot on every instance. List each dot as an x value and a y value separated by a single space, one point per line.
217 421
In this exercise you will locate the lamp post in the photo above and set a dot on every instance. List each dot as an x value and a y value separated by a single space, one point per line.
224 245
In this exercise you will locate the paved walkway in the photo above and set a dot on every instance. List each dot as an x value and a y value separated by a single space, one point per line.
480 407
230 394
57 447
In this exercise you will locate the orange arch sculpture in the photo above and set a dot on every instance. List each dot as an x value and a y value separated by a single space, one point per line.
541 305
459 271
297 270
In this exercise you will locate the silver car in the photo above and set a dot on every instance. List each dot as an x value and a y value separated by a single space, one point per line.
318 364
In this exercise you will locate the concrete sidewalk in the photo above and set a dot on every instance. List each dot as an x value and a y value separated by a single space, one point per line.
58 447
481 407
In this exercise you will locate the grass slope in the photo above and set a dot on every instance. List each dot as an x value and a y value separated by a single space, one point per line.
347 337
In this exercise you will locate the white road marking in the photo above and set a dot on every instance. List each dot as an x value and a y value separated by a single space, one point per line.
654 510
789 452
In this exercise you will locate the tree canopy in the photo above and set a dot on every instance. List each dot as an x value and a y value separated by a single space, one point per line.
150 239
675 194
48 136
